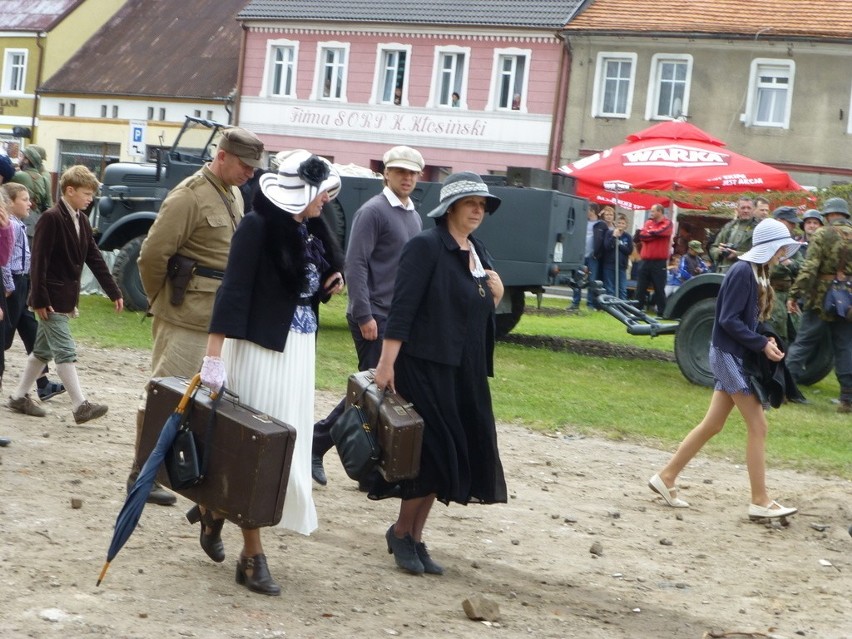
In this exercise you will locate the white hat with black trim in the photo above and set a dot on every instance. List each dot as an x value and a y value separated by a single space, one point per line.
301 177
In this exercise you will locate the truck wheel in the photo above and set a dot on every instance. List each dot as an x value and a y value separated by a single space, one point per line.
692 342
819 363
126 273
513 305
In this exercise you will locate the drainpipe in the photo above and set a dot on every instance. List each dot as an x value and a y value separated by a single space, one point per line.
557 134
40 70
234 97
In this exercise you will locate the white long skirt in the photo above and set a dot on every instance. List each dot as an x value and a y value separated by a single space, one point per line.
282 385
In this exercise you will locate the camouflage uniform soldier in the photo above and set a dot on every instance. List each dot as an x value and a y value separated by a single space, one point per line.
735 236
782 276
830 247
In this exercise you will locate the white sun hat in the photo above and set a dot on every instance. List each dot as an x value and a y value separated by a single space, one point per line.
301 177
769 236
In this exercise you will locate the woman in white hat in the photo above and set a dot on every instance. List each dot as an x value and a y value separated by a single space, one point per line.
283 262
438 353
745 298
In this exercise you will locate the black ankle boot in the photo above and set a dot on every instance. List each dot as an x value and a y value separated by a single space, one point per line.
404 552
430 566
253 573
211 543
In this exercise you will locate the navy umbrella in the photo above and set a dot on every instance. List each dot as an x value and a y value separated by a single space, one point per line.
130 513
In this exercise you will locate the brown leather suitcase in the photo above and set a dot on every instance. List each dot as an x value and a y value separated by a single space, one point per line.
399 427
250 455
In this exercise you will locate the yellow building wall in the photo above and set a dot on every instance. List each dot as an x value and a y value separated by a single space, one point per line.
70 34
20 105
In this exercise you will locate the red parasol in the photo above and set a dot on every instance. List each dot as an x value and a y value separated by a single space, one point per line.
671 156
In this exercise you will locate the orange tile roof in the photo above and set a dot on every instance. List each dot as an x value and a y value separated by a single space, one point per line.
818 19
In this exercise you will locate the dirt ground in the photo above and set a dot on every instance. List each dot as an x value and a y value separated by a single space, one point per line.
582 549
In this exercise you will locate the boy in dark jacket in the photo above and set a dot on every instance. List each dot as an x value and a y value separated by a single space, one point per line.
63 243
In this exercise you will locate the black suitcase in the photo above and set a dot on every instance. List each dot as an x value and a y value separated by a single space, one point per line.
399 427
249 461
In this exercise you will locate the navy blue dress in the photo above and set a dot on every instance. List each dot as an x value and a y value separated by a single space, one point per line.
460 461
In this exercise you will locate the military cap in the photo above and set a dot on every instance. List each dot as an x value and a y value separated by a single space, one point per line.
836 205
695 245
786 214
244 144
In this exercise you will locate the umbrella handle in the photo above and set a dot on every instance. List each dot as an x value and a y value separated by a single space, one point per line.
187 395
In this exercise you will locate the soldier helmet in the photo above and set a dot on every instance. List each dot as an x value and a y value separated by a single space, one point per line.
812 214
836 205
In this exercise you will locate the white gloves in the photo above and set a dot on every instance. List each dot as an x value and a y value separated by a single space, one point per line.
213 374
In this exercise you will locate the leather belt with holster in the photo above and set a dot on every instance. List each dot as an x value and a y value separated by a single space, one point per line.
181 269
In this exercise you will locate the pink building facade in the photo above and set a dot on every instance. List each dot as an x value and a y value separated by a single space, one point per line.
349 92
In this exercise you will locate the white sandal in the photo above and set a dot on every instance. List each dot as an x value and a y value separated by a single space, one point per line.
772 511
668 494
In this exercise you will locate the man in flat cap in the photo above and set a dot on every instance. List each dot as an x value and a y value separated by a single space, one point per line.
380 228
195 223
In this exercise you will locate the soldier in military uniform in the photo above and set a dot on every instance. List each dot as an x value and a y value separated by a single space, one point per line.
33 176
196 221
830 249
782 276
735 237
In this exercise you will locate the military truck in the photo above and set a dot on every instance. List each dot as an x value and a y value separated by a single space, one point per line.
536 233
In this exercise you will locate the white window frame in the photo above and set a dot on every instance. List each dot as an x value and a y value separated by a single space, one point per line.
598 92
379 75
497 74
267 88
849 115
655 83
15 83
437 72
322 47
762 66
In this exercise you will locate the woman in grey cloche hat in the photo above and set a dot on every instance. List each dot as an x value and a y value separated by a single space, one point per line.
437 352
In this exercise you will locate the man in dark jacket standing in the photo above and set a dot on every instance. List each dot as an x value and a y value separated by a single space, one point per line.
656 238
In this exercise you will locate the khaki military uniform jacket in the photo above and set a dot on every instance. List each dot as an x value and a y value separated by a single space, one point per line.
821 264
195 222
738 234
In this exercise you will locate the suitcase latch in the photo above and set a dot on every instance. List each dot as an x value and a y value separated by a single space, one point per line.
262 418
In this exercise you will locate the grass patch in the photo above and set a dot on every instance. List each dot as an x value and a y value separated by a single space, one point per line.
643 401
101 326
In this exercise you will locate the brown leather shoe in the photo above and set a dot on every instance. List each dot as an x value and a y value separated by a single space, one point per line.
87 411
27 405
